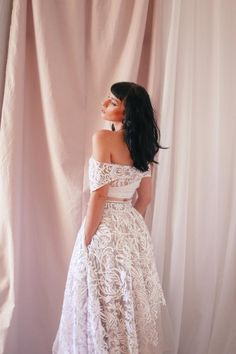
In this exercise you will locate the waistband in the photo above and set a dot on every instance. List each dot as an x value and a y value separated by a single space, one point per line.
118 204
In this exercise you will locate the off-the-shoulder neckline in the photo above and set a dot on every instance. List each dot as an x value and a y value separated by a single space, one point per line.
110 163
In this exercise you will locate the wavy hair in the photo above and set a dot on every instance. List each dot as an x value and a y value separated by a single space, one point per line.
142 134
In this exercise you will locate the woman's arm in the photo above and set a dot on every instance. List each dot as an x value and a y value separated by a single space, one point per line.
101 152
144 195
94 213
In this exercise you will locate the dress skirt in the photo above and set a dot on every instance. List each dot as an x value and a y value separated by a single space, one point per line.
113 300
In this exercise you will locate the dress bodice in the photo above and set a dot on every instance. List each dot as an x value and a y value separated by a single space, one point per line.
123 179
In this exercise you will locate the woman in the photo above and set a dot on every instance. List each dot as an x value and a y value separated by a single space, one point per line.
113 301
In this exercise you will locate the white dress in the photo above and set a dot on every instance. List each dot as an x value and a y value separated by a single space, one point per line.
113 300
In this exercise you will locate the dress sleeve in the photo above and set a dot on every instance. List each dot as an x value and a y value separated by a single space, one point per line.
148 173
100 173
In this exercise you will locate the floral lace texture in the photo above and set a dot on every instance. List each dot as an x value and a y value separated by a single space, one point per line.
101 173
113 297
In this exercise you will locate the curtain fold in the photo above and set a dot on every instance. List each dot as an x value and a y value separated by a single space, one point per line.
5 20
11 157
62 59
193 227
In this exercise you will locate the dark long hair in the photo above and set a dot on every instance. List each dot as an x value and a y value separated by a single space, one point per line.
142 134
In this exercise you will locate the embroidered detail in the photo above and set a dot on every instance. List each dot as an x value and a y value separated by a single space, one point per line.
101 173
113 295
124 277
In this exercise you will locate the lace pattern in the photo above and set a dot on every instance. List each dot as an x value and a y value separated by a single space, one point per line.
101 173
113 294
113 297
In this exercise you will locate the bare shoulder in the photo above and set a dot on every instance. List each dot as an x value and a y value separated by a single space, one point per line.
101 145
101 134
101 137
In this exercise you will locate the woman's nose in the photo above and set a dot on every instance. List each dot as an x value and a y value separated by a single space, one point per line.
104 103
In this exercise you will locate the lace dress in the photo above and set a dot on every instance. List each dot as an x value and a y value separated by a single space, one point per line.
113 300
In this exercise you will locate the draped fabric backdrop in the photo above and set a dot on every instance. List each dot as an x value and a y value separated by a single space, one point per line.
58 61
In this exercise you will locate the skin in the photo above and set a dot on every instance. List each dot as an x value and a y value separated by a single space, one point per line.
109 146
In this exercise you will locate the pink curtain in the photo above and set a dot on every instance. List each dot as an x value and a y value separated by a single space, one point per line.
62 58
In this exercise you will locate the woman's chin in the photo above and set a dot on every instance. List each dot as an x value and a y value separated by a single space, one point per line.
104 117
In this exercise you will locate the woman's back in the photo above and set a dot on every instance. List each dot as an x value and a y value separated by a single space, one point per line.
119 150
113 142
